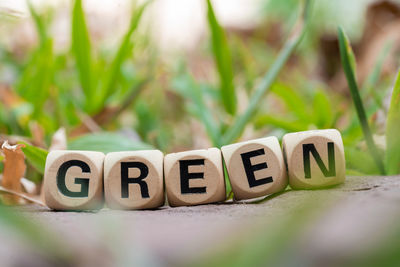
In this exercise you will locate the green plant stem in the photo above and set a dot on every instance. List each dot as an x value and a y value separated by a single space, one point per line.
392 131
345 49
81 49
223 61
299 30
123 53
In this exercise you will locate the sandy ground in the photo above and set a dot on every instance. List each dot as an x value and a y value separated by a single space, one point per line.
357 217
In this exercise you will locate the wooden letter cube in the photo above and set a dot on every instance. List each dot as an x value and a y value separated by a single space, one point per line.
255 168
315 159
134 179
73 180
194 177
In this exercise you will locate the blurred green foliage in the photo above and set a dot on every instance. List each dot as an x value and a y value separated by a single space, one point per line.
223 61
392 132
392 155
106 142
128 98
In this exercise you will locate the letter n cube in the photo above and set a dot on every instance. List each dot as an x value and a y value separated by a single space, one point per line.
315 159
73 180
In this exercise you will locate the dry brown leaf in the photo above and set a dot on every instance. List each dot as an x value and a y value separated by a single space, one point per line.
14 169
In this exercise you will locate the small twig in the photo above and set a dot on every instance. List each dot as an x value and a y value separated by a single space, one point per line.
22 195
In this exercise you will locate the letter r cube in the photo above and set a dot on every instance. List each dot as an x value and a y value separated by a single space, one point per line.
314 159
134 179
73 180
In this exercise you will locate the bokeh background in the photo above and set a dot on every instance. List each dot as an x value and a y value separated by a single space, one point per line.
176 75
166 88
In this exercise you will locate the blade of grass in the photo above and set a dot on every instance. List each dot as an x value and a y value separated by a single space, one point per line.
36 156
294 39
36 79
392 131
35 82
345 53
82 52
222 57
40 25
123 53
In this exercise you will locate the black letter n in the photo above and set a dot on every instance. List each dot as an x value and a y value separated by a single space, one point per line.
310 148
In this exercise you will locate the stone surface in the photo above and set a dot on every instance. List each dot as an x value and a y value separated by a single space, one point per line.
361 213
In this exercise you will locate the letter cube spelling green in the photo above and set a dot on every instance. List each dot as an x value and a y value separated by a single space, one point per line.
134 179
315 159
73 180
194 177
256 167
